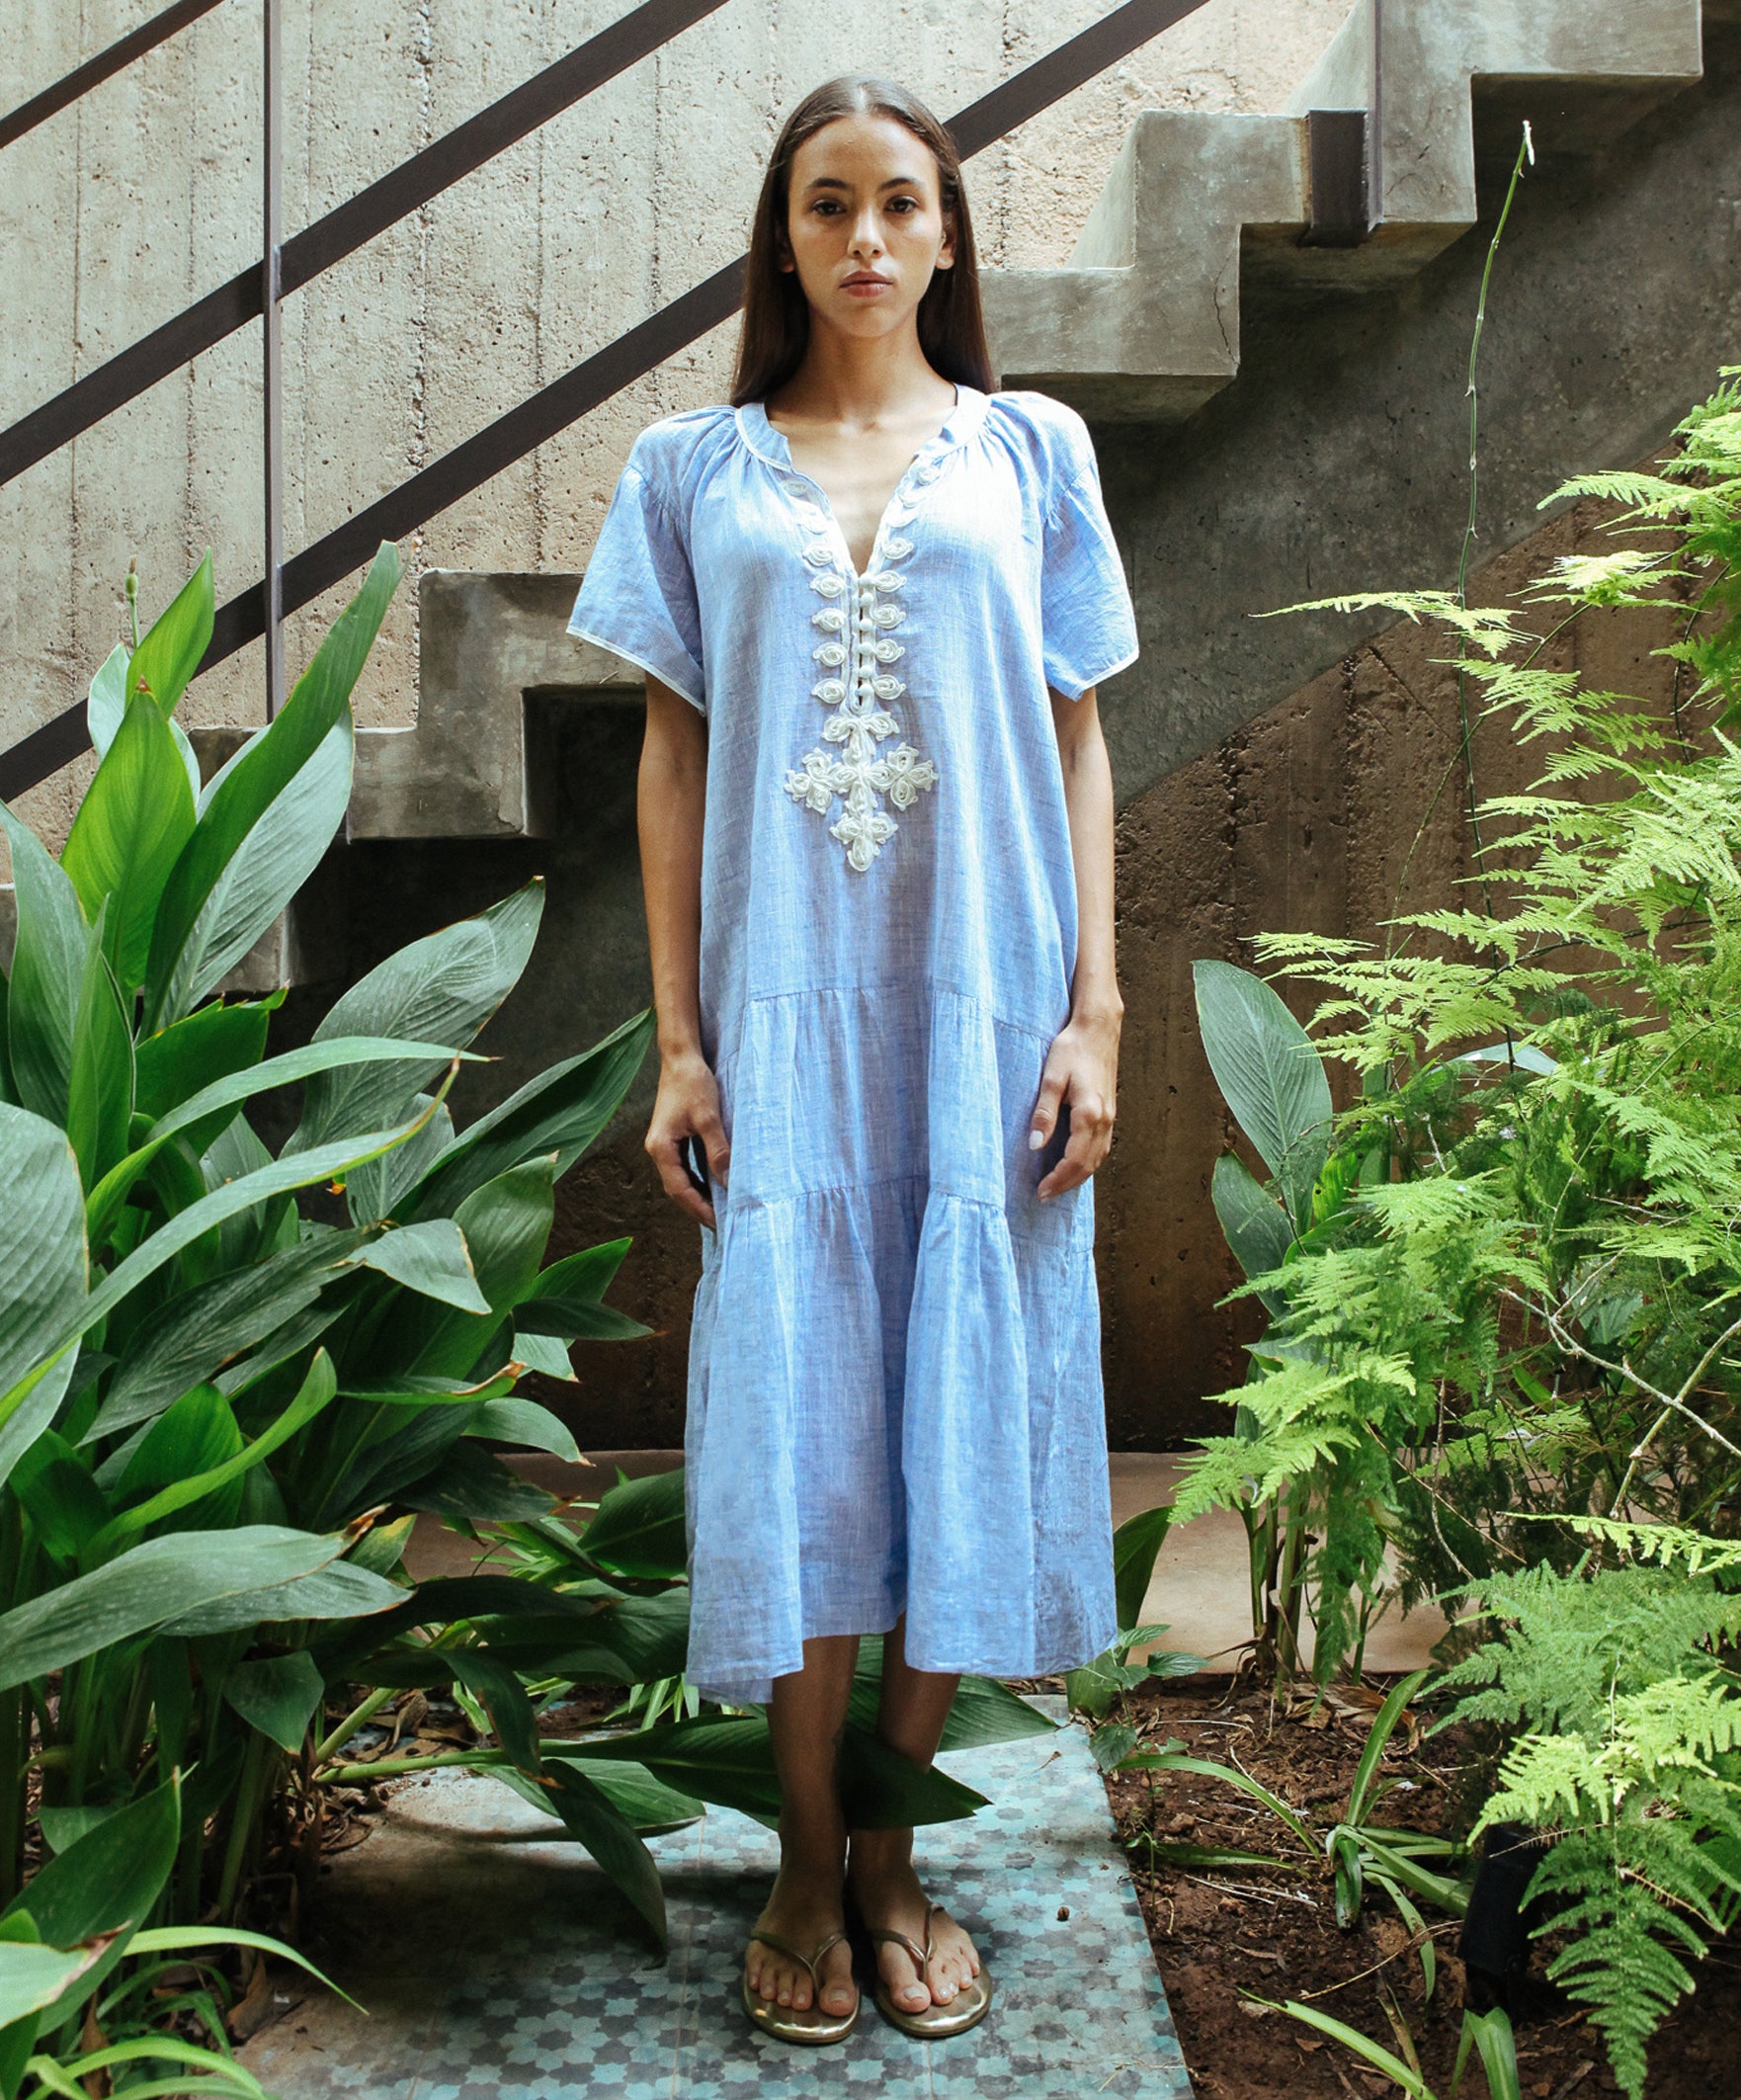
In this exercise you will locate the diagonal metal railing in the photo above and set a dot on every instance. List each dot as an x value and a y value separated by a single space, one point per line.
543 414
83 78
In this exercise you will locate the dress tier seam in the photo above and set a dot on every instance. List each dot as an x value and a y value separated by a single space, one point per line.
1041 1032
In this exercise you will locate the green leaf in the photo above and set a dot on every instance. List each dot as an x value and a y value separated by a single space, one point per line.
506 1226
33 1976
1255 1223
198 1051
135 817
1380 2058
1272 1076
473 1486
523 1422
100 1083
562 1110
151 1584
47 967
589 1815
647 1803
227 1093
43 1259
1135 1544
880 1789
62 1500
545 1354
576 1319
110 1878
339 1590
432 1259
587 1274
639 1528
982 1711
189 1339
503 1697
106 700
438 990
278 1695
193 1486
169 654
267 818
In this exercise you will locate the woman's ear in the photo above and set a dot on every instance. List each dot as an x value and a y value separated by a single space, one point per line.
946 255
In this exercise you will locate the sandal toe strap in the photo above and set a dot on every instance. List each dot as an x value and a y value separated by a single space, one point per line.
812 1960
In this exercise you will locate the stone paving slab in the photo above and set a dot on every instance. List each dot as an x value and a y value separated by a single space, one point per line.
496 1965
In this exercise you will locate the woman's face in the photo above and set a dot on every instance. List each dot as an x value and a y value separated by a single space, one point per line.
864 223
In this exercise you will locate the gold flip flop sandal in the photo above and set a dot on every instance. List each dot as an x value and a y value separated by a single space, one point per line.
966 2009
789 2022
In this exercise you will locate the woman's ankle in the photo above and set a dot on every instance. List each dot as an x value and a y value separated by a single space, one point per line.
879 1851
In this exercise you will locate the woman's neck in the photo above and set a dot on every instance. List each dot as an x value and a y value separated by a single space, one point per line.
855 381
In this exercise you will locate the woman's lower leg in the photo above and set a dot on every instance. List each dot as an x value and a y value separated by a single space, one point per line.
914 1705
806 1717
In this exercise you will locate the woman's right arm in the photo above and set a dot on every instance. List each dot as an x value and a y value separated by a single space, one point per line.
671 805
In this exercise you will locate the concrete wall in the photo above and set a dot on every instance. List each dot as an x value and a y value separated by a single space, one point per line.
121 209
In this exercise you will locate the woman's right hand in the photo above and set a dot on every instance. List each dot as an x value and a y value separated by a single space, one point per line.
688 1106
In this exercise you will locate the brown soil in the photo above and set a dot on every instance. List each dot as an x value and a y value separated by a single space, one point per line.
1227 1938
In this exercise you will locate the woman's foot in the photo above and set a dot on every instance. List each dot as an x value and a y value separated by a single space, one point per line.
884 1885
804 1908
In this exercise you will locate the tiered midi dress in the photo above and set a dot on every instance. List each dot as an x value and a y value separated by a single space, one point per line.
894 1383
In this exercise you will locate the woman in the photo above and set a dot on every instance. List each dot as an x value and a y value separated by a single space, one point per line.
873 600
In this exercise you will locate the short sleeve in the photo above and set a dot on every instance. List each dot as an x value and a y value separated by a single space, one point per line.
638 597
1088 628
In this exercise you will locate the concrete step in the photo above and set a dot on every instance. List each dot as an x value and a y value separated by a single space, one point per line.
1145 320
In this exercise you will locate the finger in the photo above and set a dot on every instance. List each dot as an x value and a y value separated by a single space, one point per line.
711 1131
666 1154
1045 1110
1090 1135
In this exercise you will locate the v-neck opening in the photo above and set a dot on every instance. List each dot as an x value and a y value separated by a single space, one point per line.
771 444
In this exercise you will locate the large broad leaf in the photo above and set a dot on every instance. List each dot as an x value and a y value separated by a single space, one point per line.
155 1582
336 1591
1255 1223
323 1163
1135 1544
504 1698
1272 1076
42 1260
506 1225
270 863
110 1878
100 1083
169 653
639 1528
213 1103
561 1111
590 1815
267 818
48 965
431 1259
477 1489
106 700
374 1191
525 1422
880 1789
198 1051
33 1976
190 1339
440 989
277 1695
136 817
200 1478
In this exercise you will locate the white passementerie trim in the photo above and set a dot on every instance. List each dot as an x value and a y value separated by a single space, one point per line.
855 769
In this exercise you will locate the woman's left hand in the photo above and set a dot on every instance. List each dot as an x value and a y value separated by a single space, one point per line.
1082 1069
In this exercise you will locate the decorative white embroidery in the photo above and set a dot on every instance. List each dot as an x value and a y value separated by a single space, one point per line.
859 721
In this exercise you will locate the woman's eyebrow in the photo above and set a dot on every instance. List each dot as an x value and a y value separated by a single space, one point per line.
837 181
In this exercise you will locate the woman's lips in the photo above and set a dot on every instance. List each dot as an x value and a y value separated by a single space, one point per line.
864 286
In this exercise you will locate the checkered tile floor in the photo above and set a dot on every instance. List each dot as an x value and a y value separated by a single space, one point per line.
498 1965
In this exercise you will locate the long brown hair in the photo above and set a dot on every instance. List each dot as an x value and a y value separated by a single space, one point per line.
776 327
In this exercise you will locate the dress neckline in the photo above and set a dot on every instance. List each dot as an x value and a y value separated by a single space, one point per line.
770 445
769 442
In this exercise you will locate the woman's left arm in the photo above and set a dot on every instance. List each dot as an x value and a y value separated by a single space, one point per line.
1082 1065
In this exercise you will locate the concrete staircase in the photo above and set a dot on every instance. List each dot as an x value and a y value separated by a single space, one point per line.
1142 324
1142 327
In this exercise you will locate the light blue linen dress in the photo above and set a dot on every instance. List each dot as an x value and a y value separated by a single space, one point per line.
894 1386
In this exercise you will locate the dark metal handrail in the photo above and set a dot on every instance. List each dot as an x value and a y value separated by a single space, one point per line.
587 385
83 78
346 229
